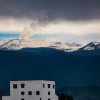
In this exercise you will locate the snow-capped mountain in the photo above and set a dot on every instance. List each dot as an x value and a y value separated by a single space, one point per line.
91 46
16 44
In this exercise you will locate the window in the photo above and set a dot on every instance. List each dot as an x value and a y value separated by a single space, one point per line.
22 93
43 85
22 85
37 92
48 85
30 93
22 99
48 98
15 86
40 99
48 93
53 86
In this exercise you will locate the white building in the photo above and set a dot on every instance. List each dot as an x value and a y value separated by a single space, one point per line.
32 90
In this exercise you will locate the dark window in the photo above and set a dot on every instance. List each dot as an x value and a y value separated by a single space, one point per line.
30 93
22 99
53 86
48 93
48 98
48 85
43 85
40 99
22 85
22 93
37 92
15 86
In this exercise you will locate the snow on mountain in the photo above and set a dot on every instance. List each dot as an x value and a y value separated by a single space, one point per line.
91 46
16 44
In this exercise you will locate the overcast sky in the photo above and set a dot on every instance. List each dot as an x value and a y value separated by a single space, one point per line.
65 18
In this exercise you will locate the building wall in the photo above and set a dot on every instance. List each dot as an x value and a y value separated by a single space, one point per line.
6 98
33 86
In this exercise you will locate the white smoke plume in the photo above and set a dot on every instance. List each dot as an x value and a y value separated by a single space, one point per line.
33 29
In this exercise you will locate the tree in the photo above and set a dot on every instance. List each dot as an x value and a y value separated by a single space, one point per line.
64 97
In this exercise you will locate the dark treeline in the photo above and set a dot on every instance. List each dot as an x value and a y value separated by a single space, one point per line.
64 97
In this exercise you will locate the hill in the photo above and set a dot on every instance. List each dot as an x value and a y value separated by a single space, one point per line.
64 68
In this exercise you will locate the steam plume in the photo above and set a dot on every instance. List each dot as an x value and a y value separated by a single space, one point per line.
33 29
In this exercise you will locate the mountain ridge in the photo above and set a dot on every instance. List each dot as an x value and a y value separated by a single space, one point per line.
80 67
16 44
92 48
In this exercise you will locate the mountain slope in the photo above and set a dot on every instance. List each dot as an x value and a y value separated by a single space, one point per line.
91 46
22 60
64 68
16 44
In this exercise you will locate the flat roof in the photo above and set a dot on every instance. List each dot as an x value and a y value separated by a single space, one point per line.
32 80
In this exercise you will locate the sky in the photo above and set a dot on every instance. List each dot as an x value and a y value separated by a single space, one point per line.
58 20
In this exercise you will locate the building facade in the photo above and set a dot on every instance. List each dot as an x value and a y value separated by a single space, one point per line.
32 90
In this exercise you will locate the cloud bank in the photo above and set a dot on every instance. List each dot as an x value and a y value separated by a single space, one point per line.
51 9
77 17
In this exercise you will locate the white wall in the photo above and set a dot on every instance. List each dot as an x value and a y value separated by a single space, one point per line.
15 94
6 98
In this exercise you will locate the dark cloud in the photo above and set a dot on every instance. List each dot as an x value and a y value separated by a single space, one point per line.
51 9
